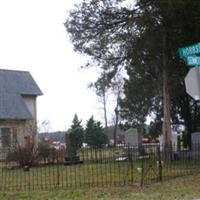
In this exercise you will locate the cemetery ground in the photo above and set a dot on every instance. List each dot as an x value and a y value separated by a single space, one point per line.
182 188
102 175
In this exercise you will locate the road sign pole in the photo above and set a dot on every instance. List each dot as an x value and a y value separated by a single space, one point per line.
198 77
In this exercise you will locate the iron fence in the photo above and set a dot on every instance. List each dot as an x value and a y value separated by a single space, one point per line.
117 166
164 162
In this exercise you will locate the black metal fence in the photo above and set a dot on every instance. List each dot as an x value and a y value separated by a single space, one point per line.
124 165
161 162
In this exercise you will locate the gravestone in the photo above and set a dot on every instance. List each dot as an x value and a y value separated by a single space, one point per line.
195 146
133 140
132 137
72 157
195 140
174 141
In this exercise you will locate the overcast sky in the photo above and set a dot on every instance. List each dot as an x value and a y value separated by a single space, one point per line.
33 38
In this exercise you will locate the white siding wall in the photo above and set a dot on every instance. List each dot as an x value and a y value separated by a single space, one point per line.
24 127
30 102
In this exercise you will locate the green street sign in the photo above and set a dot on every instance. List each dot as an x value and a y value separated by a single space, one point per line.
189 50
193 60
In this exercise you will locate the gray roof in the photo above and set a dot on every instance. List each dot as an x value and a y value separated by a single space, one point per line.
14 84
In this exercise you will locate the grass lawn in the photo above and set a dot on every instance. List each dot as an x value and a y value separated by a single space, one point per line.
74 176
184 188
90 174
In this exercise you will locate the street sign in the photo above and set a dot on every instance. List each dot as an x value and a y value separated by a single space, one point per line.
189 50
192 83
193 60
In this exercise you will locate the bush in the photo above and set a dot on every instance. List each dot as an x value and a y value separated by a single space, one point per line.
12 156
44 149
26 156
49 154
24 153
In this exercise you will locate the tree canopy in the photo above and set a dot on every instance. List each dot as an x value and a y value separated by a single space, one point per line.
143 37
75 136
94 134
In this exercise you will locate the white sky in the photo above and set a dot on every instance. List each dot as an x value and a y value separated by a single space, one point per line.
33 38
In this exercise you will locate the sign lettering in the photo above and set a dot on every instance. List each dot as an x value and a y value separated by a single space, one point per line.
190 50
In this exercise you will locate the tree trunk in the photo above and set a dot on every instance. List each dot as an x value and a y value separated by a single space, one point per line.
116 122
167 115
187 116
105 110
166 102
188 122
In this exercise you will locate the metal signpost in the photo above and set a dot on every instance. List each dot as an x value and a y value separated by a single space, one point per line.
192 79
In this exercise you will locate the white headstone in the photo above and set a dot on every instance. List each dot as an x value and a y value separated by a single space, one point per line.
132 137
195 139
174 141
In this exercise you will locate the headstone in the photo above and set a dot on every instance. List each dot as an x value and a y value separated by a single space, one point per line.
133 140
132 137
195 140
174 141
72 157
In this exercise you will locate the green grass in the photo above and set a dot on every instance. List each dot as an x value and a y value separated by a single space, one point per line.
100 180
89 174
184 188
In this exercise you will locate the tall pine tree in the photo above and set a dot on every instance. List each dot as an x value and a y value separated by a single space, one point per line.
94 134
74 137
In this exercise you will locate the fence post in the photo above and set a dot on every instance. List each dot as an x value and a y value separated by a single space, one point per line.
130 154
160 164
142 167
58 170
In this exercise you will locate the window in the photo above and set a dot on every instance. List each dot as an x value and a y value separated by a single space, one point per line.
8 137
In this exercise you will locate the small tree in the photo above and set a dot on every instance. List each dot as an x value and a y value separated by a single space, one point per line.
74 137
94 135
44 150
25 148
102 86
44 128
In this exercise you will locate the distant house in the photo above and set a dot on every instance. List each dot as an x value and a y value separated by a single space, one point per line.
18 93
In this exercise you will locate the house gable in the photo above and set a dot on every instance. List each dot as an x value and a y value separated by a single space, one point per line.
18 92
